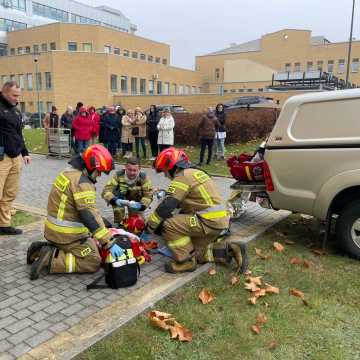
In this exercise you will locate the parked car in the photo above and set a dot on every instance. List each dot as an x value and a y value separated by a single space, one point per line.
247 101
34 120
173 108
312 162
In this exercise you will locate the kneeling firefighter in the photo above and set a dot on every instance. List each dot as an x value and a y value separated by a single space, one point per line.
193 235
72 216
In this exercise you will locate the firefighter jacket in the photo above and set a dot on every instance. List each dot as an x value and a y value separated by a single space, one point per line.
194 193
120 188
72 213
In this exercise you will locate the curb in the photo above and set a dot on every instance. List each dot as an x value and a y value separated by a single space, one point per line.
67 344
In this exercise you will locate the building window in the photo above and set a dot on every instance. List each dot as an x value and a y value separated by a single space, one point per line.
217 74
126 53
12 77
133 86
193 89
330 66
142 86
87 47
164 61
48 106
12 51
355 65
72 46
159 88
48 84
4 79
181 89
116 51
309 66
113 82
77 19
320 64
297 66
124 84
187 90
287 67
167 88
174 89
107 49
151 87
36 49
29 80
19 50
27 50
10 25
150 58
44 47
52 46
38 81
41 107
134 55
14 4
142 57
21 81
157 60
341 66
50 12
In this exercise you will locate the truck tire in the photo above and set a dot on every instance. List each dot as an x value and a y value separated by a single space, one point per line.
348 229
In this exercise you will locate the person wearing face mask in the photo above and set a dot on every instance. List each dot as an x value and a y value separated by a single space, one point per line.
73 223
82 129
129 184
193 234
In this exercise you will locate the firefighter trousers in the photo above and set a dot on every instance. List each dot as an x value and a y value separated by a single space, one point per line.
9 185
185 235
77 257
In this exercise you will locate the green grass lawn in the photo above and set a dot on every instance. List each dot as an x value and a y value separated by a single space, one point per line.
35 142
326 329
22 218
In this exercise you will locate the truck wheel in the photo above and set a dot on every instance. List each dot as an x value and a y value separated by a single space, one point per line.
348 229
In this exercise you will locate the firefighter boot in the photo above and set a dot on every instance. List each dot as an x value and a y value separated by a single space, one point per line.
240 255
175 267
34 250
42 263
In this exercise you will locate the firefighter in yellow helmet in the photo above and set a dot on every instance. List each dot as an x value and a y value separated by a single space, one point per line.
72 218
193 234
129 186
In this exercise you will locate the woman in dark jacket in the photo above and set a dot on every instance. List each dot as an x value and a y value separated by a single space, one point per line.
120 112
152 122
220 132
110 129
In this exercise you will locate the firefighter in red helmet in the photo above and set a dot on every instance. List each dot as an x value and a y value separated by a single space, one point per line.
193 234
72 217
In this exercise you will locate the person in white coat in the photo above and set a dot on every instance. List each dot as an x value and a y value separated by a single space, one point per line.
166 130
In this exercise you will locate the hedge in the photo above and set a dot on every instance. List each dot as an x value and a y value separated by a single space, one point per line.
242 125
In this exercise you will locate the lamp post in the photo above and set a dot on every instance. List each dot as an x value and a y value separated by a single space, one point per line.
36 59
350 43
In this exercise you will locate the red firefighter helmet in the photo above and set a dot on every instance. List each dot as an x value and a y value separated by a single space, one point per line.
135 224
168 158
97 157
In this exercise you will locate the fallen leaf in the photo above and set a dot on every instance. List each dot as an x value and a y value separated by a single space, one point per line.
273 345
206 296
159 314
260 292
234 280
259 253
261 319
253 300
319 252
247 273
271 289
251 286
289 242
278 247
160 319
254 280
306 263
212 272
298 293
266 305
295 261
256 329
178 331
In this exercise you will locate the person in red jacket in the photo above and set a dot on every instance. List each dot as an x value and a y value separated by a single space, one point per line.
82 129
95 120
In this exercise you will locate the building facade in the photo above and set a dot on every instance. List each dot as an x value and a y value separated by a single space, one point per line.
249 66
22 14
62 64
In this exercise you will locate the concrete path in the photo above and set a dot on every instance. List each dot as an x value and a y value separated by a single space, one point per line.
55 317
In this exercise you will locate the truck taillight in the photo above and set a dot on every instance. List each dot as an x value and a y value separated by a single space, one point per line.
267 176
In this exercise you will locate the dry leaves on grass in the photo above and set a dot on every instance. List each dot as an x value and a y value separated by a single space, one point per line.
299 294
273 345
259 253
278 247
271 289
253 284
255 280
234 280
256 329
261 319
319 252
295 261
166 322
212 272
206 296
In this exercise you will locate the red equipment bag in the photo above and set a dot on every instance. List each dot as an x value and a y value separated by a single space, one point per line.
242 169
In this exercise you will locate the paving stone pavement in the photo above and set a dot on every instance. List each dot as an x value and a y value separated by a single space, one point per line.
33 312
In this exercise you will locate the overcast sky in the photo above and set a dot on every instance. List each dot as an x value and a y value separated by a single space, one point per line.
197 27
